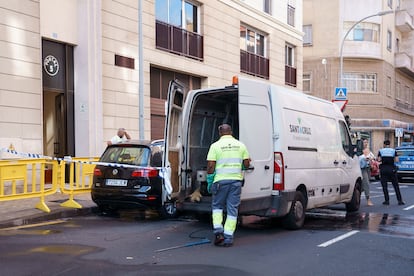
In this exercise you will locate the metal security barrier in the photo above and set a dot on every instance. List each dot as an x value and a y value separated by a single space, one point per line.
80 178
25 178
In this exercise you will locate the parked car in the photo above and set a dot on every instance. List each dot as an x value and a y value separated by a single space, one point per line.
405 162
374 169
128 176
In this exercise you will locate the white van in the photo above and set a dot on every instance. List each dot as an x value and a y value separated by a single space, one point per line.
300 147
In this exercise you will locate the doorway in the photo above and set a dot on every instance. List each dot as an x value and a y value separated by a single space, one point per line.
58 99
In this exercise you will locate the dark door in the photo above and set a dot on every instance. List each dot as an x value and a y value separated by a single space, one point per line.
58 99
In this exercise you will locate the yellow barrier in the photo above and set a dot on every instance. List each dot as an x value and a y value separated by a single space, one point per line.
80 178
25 178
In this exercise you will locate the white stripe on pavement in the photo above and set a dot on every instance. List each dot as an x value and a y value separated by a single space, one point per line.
344 236
408 208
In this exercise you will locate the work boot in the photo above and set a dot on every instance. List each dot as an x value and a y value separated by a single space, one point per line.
369 202
401 202
386 202
219 239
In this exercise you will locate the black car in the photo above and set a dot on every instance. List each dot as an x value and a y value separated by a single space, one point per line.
128 175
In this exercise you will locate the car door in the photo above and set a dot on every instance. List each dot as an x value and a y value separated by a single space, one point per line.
173 154
256 131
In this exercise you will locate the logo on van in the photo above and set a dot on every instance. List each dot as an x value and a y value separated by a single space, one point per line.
300 129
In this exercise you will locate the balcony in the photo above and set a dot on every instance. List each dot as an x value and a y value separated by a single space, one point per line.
178 41
253 64
404 62
404 21
290 75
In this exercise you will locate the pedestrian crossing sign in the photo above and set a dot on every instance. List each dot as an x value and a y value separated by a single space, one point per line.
340 93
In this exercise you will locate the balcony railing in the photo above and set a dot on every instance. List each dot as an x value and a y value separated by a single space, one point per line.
290 75
253 64
178 41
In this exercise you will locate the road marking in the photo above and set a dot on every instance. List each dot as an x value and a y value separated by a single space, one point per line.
34 225
344 236
408 208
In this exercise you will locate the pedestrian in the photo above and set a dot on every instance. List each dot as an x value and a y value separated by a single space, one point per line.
387 156
364 163
366 146
121 136
225 160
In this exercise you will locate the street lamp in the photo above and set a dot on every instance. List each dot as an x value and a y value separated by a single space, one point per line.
341 58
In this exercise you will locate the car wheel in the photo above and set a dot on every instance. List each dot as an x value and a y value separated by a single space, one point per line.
296 216
355 202
169 209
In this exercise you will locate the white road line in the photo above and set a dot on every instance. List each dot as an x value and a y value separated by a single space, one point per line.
344 236
408 208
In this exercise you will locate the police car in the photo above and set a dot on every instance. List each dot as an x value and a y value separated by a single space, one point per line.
405 162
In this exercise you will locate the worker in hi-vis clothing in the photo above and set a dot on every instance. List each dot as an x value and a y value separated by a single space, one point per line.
225 160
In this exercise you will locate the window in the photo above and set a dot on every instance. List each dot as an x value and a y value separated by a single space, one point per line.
407 94
253 52
177 28
398 90
388 91
267 6
290 70
345 138
291 15
364 31
389 40
290 55
178 13
389 3
307 38
412 98
360 82
252 41
306 79
397 45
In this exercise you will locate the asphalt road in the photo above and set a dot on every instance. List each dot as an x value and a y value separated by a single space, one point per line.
378 240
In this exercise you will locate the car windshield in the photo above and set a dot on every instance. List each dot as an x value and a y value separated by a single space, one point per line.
139 155
405 152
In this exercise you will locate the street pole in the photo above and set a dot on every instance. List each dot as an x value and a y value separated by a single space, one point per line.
341 58
141 73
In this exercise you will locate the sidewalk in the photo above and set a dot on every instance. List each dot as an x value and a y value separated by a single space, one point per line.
23 211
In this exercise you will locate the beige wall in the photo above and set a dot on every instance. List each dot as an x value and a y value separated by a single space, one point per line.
20 76
58 20
106 96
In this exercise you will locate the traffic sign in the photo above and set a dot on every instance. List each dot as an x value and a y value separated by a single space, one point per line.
399 132
340 104
340 93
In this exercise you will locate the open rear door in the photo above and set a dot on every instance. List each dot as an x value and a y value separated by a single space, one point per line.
173 135
256 132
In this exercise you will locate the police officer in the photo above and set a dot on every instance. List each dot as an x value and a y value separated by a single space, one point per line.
225 160
387 156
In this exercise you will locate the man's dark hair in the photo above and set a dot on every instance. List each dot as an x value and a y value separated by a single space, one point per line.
387 142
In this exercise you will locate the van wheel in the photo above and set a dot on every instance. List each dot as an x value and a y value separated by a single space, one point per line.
353 205
296 216
169 209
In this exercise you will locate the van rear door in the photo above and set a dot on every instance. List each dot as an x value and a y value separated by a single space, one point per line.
256 132
173 135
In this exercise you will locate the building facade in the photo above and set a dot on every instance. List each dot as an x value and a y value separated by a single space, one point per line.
71 72
377 68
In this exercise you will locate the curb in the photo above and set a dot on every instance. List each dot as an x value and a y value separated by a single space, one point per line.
53 215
